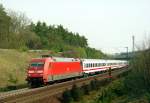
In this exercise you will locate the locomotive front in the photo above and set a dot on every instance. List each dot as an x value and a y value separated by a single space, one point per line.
35 72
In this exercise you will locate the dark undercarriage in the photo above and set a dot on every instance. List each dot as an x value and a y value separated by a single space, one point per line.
35 82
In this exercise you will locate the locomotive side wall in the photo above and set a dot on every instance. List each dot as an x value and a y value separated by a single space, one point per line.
63 70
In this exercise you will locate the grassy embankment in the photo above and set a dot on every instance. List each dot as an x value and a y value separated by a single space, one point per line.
13 65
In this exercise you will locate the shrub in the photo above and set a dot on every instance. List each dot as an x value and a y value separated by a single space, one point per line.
86 89
67 98
76 93
138 80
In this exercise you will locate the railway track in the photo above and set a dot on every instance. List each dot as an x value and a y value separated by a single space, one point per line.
48 93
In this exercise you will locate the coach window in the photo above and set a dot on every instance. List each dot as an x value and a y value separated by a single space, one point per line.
87 64
99 64
84 65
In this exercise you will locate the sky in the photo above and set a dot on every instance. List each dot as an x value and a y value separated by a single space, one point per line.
107 24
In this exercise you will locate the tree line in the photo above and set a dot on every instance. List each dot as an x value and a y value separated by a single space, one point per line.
18 32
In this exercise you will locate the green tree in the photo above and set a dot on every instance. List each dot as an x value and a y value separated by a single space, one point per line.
4 27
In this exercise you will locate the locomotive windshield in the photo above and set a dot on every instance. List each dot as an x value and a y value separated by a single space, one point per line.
37 64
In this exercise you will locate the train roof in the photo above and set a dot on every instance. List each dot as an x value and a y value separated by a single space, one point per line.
101 61
57 59
62 59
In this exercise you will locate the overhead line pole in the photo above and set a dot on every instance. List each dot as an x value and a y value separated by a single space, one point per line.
127 52
133 44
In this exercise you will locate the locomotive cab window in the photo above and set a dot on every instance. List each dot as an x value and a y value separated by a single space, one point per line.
37 64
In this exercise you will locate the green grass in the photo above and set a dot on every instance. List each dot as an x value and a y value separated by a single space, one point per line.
13 65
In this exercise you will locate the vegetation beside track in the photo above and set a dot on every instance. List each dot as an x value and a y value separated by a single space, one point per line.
80 94
133 88
13 65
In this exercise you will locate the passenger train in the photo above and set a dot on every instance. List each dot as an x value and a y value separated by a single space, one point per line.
51 69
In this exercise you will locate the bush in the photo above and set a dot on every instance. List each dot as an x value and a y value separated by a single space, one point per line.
23 49
76 93
138 80
67 98
86 89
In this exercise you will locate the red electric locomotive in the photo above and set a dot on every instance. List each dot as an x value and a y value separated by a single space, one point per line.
44 70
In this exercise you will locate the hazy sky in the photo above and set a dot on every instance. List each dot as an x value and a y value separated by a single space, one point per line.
108 24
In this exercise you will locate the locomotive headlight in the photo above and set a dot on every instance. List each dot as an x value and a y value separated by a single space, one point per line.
30 71
40 71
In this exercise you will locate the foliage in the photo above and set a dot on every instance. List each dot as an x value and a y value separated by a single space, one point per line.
4 27
134 88
93 53
66 97
76 93
86 89
139 80
108 93
94 85
12 79
18 32
57 34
